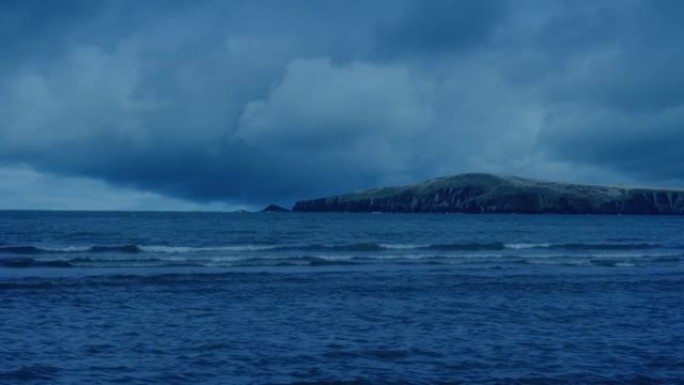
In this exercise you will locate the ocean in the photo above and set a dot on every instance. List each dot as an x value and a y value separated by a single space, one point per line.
291 298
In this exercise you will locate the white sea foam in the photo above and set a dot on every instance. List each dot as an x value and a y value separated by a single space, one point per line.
557 261
390 257
186 249
522 246
624 264
66 249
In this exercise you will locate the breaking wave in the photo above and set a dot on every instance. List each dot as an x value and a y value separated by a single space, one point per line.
228 261
313 254
355 247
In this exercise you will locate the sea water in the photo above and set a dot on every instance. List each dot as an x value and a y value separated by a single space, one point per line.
225 298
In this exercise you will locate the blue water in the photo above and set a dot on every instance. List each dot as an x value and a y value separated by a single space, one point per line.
218 298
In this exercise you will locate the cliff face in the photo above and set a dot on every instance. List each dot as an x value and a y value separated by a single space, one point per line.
485 193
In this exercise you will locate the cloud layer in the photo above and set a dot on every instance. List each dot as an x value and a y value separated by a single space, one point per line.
257 101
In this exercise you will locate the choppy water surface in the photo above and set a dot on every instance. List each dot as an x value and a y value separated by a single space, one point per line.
201 298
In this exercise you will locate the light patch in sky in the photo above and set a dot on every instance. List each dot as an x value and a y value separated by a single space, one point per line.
26 189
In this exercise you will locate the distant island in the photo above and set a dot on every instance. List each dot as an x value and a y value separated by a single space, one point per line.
273 208
487 193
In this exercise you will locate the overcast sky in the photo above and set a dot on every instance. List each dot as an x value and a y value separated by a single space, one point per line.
204 104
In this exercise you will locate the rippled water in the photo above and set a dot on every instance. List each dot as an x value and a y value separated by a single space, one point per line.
165 298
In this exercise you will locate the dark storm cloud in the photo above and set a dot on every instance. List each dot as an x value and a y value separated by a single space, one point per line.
442 26
251 101
620 102
31 27
157 105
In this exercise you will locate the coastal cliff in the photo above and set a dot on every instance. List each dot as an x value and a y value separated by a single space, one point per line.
486 193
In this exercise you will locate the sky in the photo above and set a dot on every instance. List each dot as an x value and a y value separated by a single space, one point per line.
224 105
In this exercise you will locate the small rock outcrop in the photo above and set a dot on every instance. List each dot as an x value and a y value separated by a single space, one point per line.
486 193
273 208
